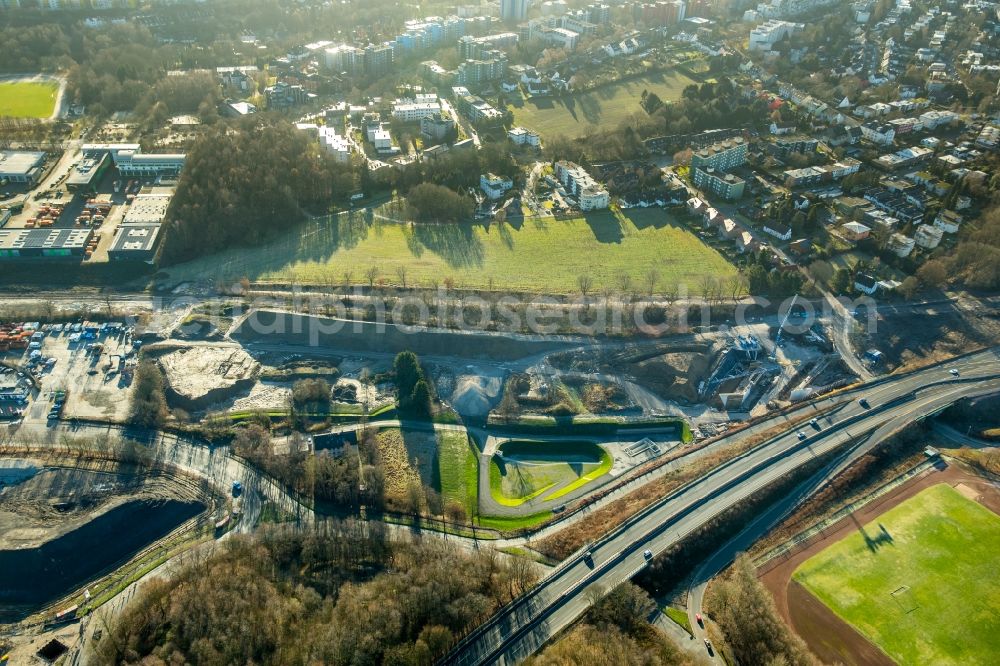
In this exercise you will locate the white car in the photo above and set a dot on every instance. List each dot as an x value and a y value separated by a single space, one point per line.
954 372
648 554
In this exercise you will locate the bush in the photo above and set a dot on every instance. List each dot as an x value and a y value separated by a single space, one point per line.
149 403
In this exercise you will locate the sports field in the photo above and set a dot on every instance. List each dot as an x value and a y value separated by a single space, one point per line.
920 581
604 107
534 255
28 99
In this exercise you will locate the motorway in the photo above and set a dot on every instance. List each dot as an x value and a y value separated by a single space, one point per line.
524 626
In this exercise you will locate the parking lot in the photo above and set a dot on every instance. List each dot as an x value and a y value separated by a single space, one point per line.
82 370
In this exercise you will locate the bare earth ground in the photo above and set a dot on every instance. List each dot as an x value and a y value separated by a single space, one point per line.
829 637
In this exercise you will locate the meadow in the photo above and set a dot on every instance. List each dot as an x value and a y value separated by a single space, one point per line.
606 106
538 255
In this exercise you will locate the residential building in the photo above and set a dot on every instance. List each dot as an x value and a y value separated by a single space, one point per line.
283 95
726 185
471 48
722 156
524 137
513 11
561 37
904 158
901 245
778 230
495 186
590 194
880 133
948 221
474 72
855 231
378 59
928 236
411 110
476 109
437 127
866 284
767 34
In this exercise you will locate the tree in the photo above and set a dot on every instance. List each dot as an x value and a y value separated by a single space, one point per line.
429 202
933 273
406 369
652 277
841 281
420 399
371 274
149 403
584 281
401 274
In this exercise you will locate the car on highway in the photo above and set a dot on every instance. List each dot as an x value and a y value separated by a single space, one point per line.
699 619
588 557
801 435
954 372
708 646
815 424
648 554
237 488
864 403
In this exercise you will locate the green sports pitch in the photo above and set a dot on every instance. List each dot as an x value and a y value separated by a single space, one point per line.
28 99
920 581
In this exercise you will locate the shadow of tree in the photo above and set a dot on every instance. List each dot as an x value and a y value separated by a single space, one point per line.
458 244
606 227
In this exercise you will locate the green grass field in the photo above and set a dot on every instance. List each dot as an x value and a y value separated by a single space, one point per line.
457 470
536 255
603 107
925 590
549 470
28 99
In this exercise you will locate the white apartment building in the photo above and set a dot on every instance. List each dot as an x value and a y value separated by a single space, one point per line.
767 34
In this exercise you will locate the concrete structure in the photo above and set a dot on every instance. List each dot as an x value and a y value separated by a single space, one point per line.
21 166
495 186
476 109
590 194
136 242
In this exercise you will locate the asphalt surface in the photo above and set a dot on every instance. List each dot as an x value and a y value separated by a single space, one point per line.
523 627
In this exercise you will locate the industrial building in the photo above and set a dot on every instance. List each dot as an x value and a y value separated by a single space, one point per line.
131 161
135 242
88 173
149 208
21 166
50 242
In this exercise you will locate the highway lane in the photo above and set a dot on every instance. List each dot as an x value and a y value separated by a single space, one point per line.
521 628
